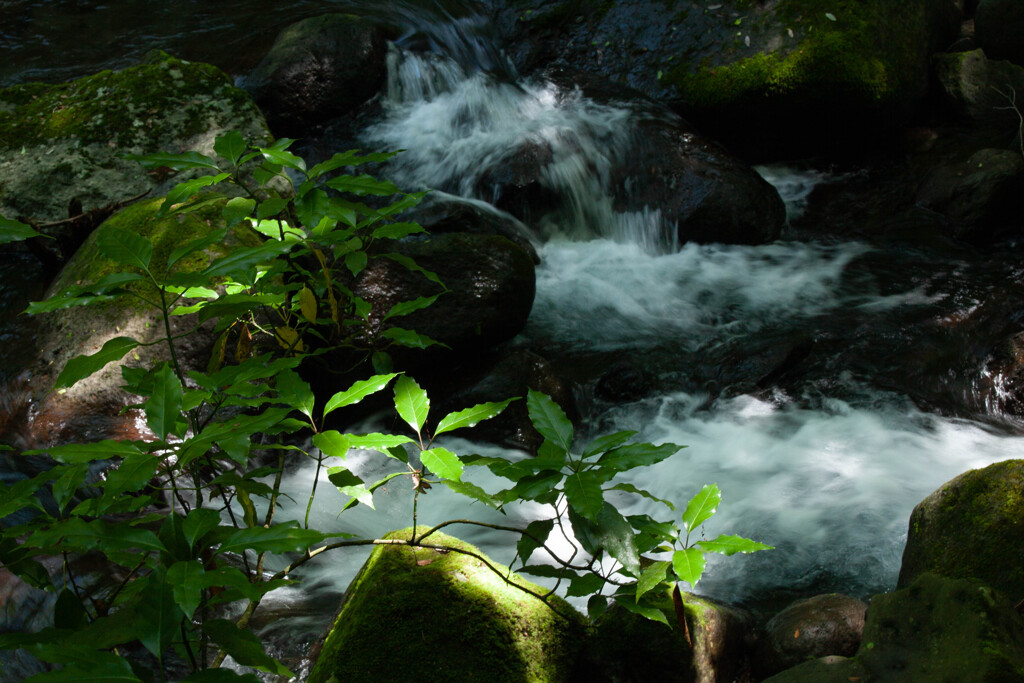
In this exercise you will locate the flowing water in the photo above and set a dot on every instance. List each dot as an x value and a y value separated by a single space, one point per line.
826 463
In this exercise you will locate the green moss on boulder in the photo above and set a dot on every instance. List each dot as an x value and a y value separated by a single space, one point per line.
971 527
64 141
415 614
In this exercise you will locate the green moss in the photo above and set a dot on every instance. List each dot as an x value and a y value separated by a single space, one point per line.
417 614
871 52
122 108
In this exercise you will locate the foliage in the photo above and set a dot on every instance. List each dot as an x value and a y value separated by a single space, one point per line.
186 520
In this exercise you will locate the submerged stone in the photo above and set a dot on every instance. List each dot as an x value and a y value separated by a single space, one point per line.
417 614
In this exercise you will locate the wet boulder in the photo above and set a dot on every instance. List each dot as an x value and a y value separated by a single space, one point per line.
766 76
463 621
816 627
978 89
490 285
999 25
628 648
317 70
1003 378
981 198
92 409
701 189
971 528
442 213
64 144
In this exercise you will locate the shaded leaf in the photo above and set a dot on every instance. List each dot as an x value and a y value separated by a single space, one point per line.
81 367
280 538
243 646
237 210
15 231
465 488
651 578
230 146
362 185
158 615
646 494
616 536
409 338
211 238
534 536
163 408
629 603
636 455
125 247
606 443
283 158
583 491
549 420
407 307
295 392
179 162
186 578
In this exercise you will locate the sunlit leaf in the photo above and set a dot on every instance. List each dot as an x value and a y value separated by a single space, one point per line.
470 417
549 420
689 565
358 391
730 545
283 158
411 402
701 507
583 491
81 367
443 463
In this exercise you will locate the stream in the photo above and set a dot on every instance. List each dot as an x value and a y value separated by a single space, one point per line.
882 405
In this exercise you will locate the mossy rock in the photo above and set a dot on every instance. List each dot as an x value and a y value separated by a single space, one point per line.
66 333
971 527
65 141
415 614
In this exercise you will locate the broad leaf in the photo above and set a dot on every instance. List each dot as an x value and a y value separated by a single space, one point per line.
470 416
396 231
583 491
110 669
411 402
628 603
269 208
124 246
549 419
295 391
357 392
539 487
283 158
409 338
158 615
184 191
237 210
241 260
187 579
636 455
198 523
281 538
332 443
606 443
383 443
443 463
81 367
701 507
581 585
230 146
616 536
651 578
131 475
689 565
15 231
362 185
163 409
534 536
243 646
646 494
179 162
730 545
407 307
214 237
89 452
464 488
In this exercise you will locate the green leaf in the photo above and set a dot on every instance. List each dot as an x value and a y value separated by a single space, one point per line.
124 246
281 538
413 266
636 455
90 452
377 442
616 536
187 580
357 392
585 584
443 463
628 603
651 578
184 191
237 210
58 303
348 484
538 487
332 443
464 488
701 507
211 238
68 612
158 615
348 158
356 262
241 260
15 231
362 185
730 545
689 565
407 307
243 646
131 475
269 208
470 416
294 391
396 231
549 419
81 367
198 523
583 492
163 409
283 158
230 146
112 669
606 443
646 494
411 402
534 536
410 339
179 162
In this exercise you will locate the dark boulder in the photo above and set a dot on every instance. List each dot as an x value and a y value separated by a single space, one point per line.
442 214
816 627
978 89
490 288
971 528
318 69
999 25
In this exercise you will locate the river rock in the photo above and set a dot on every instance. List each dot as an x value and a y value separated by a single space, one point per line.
816 627
971 528
979 89
628 648
423 615
767 75
66 142
1003 378
318 69
709 195
91 409
982 198
443 213
999 25
490 288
